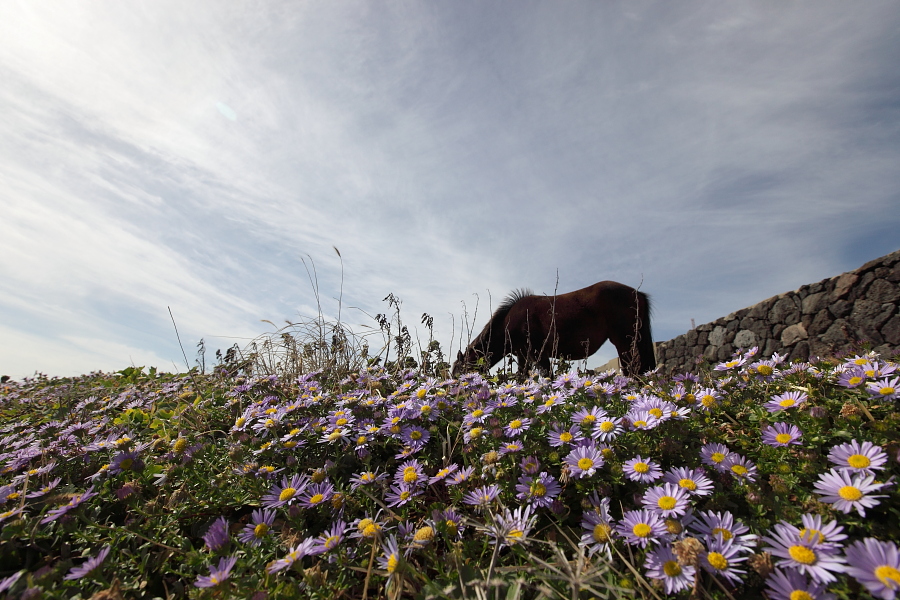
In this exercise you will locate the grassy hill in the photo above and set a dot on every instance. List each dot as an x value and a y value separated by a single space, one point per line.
751 476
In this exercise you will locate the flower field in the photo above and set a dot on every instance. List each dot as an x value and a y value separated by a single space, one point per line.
753 478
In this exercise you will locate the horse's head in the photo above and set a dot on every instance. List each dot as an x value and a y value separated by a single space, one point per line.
466 361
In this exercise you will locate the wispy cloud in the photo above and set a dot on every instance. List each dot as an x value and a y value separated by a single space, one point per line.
194 155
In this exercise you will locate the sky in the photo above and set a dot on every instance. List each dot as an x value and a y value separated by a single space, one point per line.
204 157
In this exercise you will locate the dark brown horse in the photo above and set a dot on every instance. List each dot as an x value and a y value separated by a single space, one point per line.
572 326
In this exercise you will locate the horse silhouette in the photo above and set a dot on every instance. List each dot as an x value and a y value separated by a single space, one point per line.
571 326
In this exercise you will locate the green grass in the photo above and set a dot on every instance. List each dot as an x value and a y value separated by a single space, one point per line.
191 464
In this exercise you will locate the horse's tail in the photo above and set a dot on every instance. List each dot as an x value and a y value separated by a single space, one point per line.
645 346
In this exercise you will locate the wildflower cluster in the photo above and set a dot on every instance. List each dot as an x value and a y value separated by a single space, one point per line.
756 476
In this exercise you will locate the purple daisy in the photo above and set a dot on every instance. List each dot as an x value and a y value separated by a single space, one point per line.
714 455
641 470
401 494
217 575
260 523
512 527
391 558
584 461
482 497
411 473
559 437
539 490
443 473
296 553
450 521
785 401
88 566
460 476
316 494
722 525
517 427
530 465
607 429
588 417
286 493
803 553
885 389
641 527
667 500
721 558
663 565
848 491
366 478
76 501
740 467
217 534
876 565
693 481
781 435
790 585
599 529
329 539
860 458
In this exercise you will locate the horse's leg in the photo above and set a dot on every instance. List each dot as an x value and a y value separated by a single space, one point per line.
629 361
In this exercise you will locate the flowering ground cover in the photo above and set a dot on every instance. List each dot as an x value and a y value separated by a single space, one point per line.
753 477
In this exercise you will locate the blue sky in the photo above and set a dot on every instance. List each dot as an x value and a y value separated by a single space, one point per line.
189 155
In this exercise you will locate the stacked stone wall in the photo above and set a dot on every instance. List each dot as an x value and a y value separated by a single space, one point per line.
820 319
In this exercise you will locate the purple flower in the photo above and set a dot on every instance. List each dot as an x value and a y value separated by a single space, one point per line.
415 437
539 490
886 389
391 558
667 500
693 481
217 575
599 529
785 401
641 420
302 549
714 455
790 585
607 429
7 583
640 527
876 565
584 461
482 497
217 534
88 565
443 473
450 521
559 436
512 527
401 494
848 491
740 467
330 539
460 476
859 458
781 435
286 493
722 525
76 501
803 553
410 473
641 470
316 494
587 417
260 523
530 465
517 427
721 558
662 564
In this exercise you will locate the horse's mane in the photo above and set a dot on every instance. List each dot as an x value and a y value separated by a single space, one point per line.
503 310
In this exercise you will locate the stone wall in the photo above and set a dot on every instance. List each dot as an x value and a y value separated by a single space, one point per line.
819 319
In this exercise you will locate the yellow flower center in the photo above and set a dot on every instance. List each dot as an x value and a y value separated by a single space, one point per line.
708 400
690 397
180 445
361 440
889 576
607 426
515 424
341 422
566 437
126 464
316 499
783 438
717 560
404 495
666 502
477 413
855 380
848 492
725 533
260 530
538 489
672 568
601 533
371 530
410 475
424 534
415 435
717 457
800 595
687 484
787 403
812 535
588 419
425 409
392 563
656 412
764 370
286 494
515 534
585 463
421 393
859 461
239 422
802 554
641 467
739 470
475 433
640 423
642 530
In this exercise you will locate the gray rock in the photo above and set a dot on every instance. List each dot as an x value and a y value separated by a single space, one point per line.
814 303
843 284
870 314
882 291
840 309
761 310
717 337
794 334
745 339
838 334
786 310
890 331
820 323
800 352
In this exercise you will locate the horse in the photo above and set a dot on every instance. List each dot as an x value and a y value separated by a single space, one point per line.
570 326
